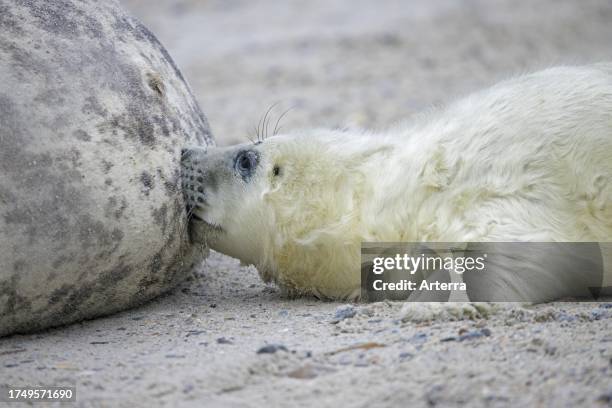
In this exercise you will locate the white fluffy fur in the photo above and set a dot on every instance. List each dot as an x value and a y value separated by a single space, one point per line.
529 159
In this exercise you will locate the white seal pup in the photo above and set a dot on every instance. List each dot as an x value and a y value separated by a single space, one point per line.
529 159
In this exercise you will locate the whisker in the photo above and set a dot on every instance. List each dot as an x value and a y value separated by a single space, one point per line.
250 138
276 128
257 130
266 121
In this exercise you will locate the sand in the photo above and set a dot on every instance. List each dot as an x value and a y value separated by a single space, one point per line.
226 339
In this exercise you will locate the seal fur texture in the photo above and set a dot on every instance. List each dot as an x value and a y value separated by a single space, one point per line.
529 159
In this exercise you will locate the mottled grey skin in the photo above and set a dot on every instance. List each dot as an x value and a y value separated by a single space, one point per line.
93 116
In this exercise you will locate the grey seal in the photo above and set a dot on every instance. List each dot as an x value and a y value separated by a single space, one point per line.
93 116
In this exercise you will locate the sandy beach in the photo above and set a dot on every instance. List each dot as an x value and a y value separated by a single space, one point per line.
226 339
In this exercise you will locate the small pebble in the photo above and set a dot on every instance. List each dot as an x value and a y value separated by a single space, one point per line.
271 349
344 312
469 335
484 332
563 316
606 398
598 314
224 340
194 333
418 338
174 356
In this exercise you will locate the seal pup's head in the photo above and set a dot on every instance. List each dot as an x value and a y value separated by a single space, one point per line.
290 205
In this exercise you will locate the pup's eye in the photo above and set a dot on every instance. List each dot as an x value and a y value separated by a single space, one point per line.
276 170
246 161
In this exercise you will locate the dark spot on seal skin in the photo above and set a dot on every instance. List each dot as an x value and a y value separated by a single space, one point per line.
82 135
108 181
117 235
59 294
106 166
14 301
135 125
156 263
115 275
74 156
114 208
171 183
92 105
119 212
160 215
147 181
162 123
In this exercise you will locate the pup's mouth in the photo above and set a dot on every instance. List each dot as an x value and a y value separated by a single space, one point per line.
200 223
194 217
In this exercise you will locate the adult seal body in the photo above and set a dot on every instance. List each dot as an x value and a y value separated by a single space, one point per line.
526 160
93 116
